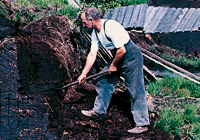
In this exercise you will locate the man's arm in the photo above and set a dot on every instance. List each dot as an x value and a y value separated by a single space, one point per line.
89 63
118 56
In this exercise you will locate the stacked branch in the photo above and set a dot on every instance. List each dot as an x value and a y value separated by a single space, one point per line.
160 61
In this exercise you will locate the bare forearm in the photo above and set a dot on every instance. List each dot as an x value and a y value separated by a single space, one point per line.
119 55
89 63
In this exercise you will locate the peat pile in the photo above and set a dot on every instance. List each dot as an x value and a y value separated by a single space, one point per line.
45 53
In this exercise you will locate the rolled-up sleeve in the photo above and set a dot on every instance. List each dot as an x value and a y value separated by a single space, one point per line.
116 32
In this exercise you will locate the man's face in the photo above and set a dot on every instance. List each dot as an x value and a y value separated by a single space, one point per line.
85 22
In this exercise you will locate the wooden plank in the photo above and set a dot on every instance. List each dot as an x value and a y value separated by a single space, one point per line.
141 17
164 23
192 20
157 19
115 13
149 9
108 14
128 15
134 17
170 17
185 20
150 17
120 15
197 22
175 25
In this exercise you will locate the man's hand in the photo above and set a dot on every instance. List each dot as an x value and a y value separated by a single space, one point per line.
118 57
112 69
81 78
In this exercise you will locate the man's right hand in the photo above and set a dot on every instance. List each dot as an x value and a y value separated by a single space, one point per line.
81 78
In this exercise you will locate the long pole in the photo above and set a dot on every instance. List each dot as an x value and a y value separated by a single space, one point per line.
170 64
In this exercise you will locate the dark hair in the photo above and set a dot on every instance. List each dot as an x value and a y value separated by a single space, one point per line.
91 12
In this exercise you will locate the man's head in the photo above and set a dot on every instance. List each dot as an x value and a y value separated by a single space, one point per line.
89 17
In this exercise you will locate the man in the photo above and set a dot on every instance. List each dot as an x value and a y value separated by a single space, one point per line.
127 60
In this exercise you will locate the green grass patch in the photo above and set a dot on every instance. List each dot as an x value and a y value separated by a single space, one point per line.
179 113
176 86
176 122
183 61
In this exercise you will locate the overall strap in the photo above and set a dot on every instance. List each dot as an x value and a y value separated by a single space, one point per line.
104 32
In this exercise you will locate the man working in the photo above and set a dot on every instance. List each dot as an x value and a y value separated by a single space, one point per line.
127 60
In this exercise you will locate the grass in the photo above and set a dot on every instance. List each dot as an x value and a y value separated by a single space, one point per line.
176 121
183 61
178 117
27 11
175 86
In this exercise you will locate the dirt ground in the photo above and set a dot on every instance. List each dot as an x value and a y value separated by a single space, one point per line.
69 123
48 55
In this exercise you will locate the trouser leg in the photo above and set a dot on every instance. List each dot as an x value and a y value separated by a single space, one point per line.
104 88
139 107
133 74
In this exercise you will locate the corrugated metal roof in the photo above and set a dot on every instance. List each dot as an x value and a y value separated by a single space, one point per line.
156 19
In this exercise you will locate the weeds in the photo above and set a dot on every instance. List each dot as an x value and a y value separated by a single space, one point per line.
171 121
182 117
177 86
68 11
177 122
183 61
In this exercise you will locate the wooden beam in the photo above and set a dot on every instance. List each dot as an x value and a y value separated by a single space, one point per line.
157 18
150 17
197 22
170 64
177 22
115 13
108 14
134 18
185 20
121 14
183 75
141 17
192 20
128 16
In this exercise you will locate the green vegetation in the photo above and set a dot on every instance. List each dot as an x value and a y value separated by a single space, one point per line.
176 86
176 121
26 11
181 118
107 4
193 62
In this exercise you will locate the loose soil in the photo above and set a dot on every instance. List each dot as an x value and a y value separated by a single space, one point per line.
50 57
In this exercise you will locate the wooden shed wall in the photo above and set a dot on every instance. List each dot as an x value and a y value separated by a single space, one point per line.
156 19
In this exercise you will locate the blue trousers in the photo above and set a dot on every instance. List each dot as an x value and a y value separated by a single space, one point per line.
131 68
